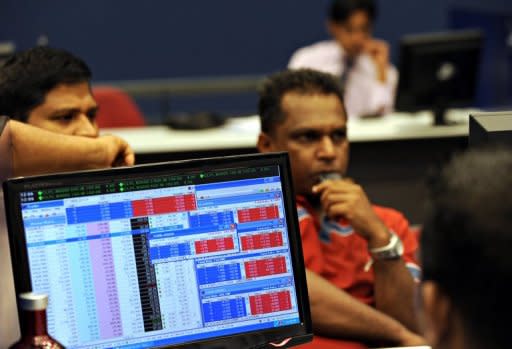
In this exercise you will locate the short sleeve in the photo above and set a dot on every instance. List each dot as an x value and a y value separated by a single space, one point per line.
395 221
410 242
311 247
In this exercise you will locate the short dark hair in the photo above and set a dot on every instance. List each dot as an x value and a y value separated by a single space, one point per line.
340 10
28 76
304 81
467 242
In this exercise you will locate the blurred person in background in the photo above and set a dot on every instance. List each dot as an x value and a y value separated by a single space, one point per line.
360 61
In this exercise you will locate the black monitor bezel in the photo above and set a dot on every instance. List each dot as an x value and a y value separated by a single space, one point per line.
300 333
447 42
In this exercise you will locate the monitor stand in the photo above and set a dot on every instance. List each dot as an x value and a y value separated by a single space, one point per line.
439 116
439 111
441 104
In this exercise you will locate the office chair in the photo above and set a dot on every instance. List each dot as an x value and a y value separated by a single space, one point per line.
116 108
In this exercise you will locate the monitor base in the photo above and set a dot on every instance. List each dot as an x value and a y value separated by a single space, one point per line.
440 118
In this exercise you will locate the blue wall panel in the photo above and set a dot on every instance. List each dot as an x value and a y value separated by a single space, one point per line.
168 38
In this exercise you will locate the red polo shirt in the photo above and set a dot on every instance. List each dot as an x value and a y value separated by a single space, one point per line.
333 250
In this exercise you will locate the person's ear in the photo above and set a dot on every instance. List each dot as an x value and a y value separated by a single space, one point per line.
265 143
436 315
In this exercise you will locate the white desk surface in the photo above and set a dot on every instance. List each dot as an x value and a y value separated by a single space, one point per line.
243 132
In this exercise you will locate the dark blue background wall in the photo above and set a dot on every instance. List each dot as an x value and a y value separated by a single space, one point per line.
170 38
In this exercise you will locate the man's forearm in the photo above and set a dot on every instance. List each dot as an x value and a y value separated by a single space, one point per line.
394 285
337 314
394 291
5 149
37 151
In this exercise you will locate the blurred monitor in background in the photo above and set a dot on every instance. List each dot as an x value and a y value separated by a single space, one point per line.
438 71
490 129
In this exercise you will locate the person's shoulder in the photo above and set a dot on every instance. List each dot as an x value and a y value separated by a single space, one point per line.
319 48
303 209
316 56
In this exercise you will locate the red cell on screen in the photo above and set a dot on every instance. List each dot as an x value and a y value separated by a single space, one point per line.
166 204
142 207
265 267
214 245
270 302
257 214
260 241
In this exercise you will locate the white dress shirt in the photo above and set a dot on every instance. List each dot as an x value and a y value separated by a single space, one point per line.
9 328
364 93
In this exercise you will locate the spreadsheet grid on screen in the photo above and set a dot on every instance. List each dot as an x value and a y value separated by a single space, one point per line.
163 260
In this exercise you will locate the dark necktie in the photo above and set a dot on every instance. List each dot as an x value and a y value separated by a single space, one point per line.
349 64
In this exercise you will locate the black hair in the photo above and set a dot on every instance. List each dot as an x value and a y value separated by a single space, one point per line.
27 76
304 81
340 10
467 242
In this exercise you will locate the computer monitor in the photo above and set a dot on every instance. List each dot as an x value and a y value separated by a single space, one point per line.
203 253
438 71
490 129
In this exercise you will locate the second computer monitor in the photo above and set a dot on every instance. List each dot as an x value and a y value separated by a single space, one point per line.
438 71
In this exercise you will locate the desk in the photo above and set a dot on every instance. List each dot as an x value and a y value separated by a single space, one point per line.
242 133
389 156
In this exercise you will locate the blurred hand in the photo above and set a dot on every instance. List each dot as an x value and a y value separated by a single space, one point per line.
344 198
118 151
378 50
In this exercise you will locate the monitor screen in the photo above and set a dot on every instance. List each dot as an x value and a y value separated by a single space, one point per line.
163 254
438 71
490 129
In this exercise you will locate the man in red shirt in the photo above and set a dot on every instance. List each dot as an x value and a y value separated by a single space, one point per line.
360 258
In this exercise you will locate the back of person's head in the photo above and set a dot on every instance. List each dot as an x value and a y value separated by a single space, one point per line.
467 243
28 76
301 81
340 10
